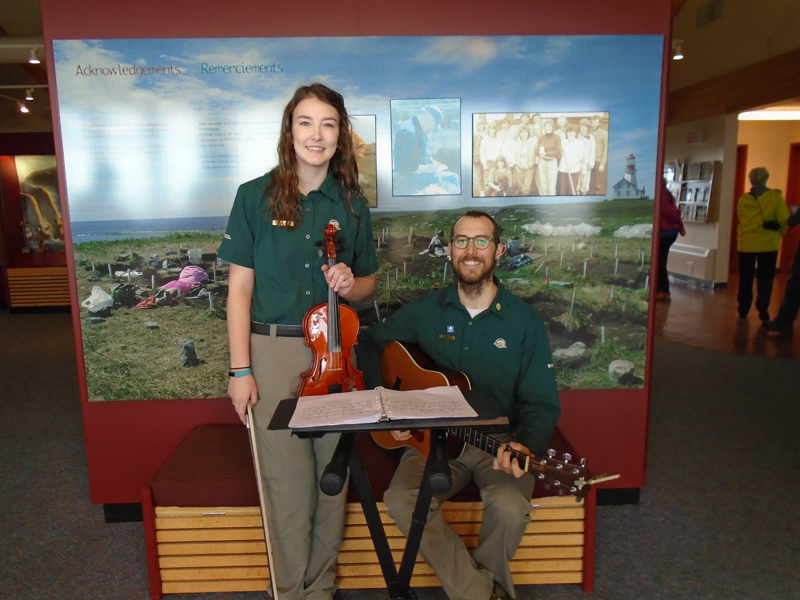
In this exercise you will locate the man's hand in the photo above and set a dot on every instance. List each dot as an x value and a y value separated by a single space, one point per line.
504 461
401 435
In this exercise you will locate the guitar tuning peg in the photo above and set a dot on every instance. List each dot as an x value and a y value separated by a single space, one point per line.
557 483
559 466
540 475
551 453
583 462
566 456
576 472
562 493
577 498
573 490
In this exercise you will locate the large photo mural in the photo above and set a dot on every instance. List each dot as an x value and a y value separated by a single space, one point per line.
555 136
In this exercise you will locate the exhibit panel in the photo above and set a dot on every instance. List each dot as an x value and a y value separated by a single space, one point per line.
158 125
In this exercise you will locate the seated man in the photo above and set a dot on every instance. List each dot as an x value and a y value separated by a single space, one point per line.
500 343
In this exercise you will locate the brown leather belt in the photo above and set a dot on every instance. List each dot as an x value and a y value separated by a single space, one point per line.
281 330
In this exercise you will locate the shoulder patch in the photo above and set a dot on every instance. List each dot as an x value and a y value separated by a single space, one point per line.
500 343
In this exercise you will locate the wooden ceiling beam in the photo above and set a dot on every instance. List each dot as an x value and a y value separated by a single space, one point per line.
767 82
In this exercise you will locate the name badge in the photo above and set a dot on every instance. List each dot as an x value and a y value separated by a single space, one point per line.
446 337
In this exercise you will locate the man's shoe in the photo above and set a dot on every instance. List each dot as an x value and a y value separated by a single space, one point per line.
663 296
764 316
499 593
780 328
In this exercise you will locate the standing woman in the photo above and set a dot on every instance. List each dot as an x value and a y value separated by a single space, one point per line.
274 231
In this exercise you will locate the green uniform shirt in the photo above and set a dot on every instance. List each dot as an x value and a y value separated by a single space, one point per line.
288 276
504 351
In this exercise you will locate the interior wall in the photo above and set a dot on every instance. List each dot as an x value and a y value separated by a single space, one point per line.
127 441
768 146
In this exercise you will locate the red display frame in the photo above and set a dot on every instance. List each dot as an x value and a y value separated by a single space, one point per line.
126 442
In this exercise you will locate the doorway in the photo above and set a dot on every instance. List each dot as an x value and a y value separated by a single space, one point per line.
792 236
738 190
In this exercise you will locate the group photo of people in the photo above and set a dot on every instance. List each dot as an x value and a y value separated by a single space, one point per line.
539 154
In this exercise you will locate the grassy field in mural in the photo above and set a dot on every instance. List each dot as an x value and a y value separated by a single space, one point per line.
591 291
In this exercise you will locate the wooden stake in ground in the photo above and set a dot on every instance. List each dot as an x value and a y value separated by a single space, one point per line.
444 274
377 310
584 269
572 304
254 452
616 265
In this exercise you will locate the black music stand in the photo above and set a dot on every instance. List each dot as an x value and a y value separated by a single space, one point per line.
435 480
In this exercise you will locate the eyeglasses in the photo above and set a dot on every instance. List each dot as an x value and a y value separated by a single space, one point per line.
481 242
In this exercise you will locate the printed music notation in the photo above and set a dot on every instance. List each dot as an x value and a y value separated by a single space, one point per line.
379 405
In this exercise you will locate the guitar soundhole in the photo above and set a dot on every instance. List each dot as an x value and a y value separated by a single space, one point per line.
397 383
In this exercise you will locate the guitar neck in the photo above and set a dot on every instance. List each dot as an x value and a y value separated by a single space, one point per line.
473 437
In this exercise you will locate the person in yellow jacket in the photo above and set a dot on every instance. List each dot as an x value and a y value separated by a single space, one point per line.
762 222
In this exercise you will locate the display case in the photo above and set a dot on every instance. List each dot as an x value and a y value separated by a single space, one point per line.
696 189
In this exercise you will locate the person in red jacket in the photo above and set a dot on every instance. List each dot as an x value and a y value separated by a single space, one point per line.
671 226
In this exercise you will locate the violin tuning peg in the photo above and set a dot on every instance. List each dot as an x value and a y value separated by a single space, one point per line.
551 453
566 456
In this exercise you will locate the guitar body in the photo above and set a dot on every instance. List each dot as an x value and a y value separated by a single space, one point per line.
405 367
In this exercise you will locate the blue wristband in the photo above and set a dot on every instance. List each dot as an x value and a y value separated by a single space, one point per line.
240 373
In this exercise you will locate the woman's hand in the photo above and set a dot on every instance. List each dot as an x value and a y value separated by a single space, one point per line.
243 391
340 278
504 462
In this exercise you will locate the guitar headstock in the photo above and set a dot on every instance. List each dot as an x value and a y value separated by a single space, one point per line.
566 475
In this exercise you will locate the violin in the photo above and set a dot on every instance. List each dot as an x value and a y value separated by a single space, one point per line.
330 331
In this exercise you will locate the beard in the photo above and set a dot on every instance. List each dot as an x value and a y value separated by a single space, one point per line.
471 281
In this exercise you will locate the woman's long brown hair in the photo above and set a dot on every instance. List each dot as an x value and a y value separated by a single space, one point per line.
283 189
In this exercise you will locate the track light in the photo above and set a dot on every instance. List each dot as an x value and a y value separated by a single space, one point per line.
23 108
677 49
29 94
33 60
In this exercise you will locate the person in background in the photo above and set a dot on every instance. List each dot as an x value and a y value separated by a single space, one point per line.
597 184
671 226
790 305
762 222
477 165
276 276
548 152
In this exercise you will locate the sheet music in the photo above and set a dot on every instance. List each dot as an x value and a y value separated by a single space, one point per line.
373 406
437 402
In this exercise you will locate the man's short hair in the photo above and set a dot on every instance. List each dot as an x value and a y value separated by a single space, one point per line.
758 176
477 214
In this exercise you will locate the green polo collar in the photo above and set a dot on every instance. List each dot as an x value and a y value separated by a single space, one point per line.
497 306
328 188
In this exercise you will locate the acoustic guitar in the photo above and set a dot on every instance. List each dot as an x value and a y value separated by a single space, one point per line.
405 366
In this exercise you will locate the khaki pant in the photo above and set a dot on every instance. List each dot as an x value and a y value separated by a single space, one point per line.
305 525
507 508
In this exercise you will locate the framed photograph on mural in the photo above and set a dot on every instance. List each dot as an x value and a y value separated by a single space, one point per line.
426 147
539 154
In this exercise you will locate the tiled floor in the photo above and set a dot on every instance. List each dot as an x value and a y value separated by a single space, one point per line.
709 320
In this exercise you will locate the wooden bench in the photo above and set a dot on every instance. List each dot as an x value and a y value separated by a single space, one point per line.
204 532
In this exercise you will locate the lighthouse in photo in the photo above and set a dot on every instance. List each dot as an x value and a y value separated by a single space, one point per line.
627 187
